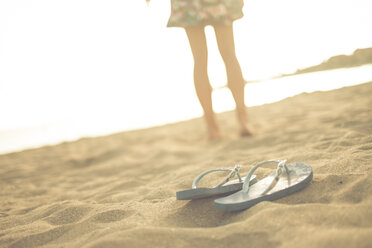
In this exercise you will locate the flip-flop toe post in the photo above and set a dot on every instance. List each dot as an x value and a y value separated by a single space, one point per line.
225 186
285 180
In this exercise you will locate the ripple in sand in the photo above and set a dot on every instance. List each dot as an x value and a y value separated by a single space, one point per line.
110 216
68 215
40 239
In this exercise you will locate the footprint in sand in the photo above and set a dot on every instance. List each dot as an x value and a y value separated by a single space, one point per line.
365 147
3 215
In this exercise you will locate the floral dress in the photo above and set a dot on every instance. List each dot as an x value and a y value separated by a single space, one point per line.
186 13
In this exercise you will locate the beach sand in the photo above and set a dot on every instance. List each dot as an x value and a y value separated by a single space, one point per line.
119 190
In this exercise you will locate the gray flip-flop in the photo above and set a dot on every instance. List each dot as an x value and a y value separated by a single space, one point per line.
287 179
224 187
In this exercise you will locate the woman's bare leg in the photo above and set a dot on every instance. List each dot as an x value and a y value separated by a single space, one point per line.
226 46
198 44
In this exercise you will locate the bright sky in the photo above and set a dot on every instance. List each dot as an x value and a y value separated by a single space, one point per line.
96 60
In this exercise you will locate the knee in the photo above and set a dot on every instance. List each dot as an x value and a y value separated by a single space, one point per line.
201 64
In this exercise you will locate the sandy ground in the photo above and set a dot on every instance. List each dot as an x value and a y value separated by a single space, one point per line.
119 190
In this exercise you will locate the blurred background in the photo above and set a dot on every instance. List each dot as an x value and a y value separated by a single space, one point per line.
71 69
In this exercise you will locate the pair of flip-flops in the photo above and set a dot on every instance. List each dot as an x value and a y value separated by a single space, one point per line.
285 180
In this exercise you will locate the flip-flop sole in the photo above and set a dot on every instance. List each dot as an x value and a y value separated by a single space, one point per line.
229 187
300 176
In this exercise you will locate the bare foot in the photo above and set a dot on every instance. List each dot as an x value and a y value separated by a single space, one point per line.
212 127
214 133
245 129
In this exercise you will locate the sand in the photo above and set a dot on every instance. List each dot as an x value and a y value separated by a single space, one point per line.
119 190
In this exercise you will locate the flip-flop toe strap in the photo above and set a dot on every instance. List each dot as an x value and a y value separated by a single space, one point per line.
281 167
233 172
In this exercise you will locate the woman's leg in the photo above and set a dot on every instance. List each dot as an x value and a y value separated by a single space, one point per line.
198 44
226 46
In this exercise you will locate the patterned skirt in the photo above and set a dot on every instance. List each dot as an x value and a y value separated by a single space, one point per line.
186 13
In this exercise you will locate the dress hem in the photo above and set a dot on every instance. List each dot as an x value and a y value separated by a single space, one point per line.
224 23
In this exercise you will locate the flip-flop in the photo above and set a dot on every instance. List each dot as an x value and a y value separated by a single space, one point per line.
287 179
224 187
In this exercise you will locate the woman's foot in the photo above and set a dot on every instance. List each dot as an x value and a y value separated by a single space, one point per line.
245 129
214 134
212 127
